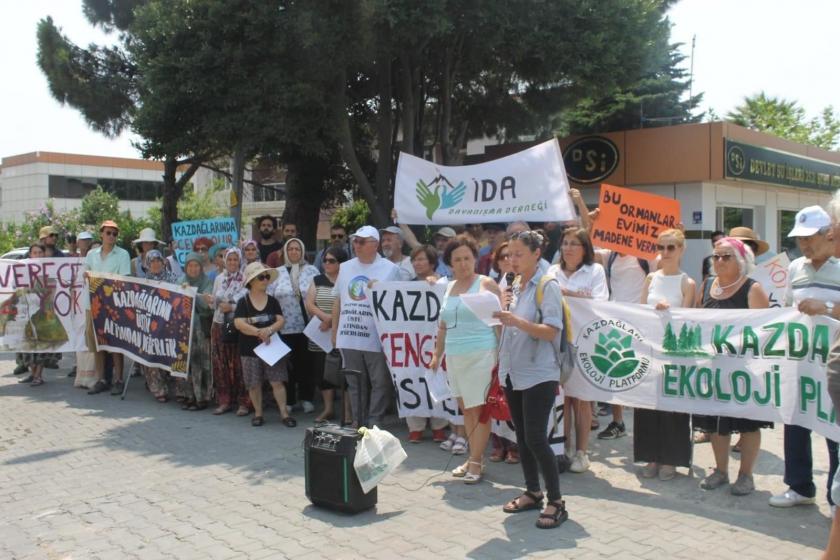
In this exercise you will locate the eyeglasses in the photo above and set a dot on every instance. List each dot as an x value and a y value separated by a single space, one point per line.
666 247
504 256
110 232
330 261
264 276
362 240
724 258
337 236
53 235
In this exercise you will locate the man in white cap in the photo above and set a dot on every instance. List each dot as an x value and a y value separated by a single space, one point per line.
392 244
83 242
814 287
354 331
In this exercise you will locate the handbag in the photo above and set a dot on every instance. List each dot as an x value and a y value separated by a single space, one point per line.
496 406
230 334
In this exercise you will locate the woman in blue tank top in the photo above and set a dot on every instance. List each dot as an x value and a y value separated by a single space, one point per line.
470 347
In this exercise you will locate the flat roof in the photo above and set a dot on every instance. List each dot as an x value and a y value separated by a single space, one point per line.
80 159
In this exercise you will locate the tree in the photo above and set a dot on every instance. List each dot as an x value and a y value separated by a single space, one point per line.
105 85
669 341
787 119
684 340
194 205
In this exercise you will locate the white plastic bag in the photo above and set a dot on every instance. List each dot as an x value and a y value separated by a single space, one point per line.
438 385
377 454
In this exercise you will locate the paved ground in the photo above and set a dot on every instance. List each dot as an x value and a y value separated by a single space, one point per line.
93 477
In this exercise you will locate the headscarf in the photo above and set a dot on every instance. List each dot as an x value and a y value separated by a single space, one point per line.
199 281
165 275
232 281
214 250
249 242
294 269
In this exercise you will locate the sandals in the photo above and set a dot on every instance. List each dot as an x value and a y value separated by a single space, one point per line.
557 518
243 411
27 379
257 421
515 505
459 447
474 478
36 382
289 422
221 410
461 470
188 404
162 399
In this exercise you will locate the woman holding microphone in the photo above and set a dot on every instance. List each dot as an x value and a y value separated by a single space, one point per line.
529 373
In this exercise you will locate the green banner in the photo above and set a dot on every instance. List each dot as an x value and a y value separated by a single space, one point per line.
764 165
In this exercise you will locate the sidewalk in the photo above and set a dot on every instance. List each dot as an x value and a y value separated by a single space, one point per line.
95 477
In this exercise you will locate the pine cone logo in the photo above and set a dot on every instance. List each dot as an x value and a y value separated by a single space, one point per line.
614 355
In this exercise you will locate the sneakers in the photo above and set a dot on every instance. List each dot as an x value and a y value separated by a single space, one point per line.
117 389
99 387
460 446
714 480
667 472
650 470
415 437
614 430
307 406
447 444
791 498
580 463
20 369
743 486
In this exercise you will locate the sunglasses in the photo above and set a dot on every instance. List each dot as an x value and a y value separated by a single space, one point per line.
337 236
110 233
666 247
330 261
264 276
504 256
724 258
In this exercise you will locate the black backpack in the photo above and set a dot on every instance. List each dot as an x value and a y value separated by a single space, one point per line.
643 263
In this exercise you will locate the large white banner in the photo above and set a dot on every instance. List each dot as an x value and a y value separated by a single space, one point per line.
766 364
42 305
530 185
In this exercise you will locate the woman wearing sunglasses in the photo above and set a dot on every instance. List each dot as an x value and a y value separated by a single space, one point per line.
663 439
258 316
732 289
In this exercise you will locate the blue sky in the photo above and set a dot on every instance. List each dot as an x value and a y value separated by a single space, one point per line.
743 47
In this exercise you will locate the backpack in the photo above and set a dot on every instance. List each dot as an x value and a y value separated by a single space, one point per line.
643 264
564 350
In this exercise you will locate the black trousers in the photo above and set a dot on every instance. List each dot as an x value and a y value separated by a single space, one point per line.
530 410
662 437
301 384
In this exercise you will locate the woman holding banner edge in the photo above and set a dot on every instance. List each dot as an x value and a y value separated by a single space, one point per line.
470 348
732 289
531 384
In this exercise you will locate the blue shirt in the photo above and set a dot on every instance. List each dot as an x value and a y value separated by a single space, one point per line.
465 333
117 261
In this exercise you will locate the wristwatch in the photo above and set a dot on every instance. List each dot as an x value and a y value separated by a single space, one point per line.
829 307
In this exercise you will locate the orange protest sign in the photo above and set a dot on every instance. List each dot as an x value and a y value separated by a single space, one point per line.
629 221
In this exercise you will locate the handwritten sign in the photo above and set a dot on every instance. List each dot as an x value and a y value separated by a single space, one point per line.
218 230
773 275
629 221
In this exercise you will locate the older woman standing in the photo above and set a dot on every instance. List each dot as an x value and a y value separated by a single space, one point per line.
732 289
258 316
293 280
157 271
319 303
663 439
228 385
197 387
528 366
470 348
579 276
250 253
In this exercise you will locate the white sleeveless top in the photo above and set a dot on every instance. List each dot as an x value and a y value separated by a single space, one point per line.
665 287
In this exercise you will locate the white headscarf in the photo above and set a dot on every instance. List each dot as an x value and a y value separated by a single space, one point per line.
294 269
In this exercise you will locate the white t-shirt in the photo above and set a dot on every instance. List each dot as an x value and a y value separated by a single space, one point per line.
356 327
589 279
627 278
406 269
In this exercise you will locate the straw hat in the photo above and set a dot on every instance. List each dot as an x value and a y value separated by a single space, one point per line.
255 269
147 235
746 234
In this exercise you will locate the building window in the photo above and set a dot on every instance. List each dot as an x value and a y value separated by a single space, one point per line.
124 189
270 192
787 219
729 217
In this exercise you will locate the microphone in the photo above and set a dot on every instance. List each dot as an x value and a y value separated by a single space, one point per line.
509 277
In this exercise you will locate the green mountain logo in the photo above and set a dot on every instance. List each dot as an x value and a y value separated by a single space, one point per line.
439 194
614 355
687 344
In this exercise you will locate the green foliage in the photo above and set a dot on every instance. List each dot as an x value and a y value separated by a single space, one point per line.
195 206
353 216
787 119
97 204
669 343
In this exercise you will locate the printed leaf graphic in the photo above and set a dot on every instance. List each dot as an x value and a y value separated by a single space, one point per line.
614 355
430 200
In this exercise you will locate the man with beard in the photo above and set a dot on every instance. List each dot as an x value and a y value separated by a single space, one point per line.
47 237
288 231
267 244
392 244
338 239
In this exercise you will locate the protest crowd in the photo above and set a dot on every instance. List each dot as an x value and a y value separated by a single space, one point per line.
247 293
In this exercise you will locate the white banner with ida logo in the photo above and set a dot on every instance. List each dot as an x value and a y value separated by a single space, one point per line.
760 364
530 185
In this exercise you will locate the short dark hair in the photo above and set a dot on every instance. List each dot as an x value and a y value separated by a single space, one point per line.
338 226
430 252
497 255
289 223
40 245
70 238
717 233
338 252
261 219
582 235
460 240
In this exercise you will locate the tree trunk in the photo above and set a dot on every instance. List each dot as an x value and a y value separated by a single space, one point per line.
305 194
173 190
237 179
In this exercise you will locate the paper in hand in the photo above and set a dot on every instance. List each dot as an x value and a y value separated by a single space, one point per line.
483 305
273 351
322 338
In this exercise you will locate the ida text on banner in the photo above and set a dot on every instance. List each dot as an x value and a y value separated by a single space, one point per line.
406 315
529 185
761 364
217 230
151 322
42 305
629 221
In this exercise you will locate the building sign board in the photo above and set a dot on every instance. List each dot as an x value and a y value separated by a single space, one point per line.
765 165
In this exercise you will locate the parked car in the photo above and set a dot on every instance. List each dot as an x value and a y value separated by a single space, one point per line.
16 254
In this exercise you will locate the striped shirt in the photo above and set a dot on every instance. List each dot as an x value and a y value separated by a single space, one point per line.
804 281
